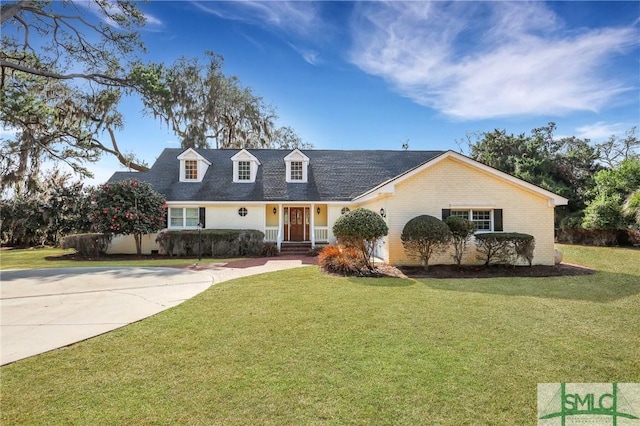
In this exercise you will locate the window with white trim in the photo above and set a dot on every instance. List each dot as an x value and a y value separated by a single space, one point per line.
296 170
244 170
245 167
296 167
482 219
184 217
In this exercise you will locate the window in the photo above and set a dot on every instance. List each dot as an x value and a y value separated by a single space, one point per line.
296 170
296 167
244 170
242 211
481 218
344 210
176 218
184 217
191 169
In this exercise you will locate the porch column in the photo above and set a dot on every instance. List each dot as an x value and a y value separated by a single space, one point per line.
280 225
312 228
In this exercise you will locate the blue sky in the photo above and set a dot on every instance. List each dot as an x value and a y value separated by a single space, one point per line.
372 75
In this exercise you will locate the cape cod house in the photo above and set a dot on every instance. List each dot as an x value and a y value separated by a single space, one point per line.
296 196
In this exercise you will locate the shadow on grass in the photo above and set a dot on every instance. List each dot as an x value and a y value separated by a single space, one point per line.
600 287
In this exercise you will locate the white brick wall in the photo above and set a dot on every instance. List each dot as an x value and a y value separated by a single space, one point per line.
450 183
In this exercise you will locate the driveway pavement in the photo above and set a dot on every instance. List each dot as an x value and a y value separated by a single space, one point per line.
45 309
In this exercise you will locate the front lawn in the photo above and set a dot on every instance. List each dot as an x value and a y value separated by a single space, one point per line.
36 258
299 347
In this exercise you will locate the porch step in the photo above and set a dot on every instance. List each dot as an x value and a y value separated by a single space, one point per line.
295 247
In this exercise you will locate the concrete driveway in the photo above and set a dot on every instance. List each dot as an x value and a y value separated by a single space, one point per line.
45 309
50 308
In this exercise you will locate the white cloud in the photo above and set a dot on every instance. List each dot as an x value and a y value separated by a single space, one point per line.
517 59
298 17
309 55
601 130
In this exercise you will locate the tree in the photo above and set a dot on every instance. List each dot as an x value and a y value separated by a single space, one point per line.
360 228
631 206
616 149
564 166
613 187
206 108
423 236
461 231
61 77
53 207
128 207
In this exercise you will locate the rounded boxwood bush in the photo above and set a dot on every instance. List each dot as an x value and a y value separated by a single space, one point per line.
423 236
360 228
461 231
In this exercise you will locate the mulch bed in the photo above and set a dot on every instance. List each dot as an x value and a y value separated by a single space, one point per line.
453 271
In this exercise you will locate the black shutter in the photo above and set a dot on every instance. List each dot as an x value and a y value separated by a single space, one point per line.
166 218
203 217
446 213
497 220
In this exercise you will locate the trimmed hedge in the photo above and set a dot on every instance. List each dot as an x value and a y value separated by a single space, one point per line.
88 245
505 247
213 242
424 236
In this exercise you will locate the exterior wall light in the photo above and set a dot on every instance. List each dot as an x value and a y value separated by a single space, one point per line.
383 213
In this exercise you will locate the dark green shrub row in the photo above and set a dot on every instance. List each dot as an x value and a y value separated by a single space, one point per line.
505 248
598 237
88 245
213 242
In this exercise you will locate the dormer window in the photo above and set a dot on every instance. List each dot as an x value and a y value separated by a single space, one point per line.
296 165
245 167
191 170
244 170
193 166
296 170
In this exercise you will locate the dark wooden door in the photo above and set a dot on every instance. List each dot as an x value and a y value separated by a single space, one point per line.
296 223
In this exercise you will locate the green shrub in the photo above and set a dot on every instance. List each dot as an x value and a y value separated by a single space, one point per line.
212 242
505 248
87 245
360 228
269 249
461 231
423 236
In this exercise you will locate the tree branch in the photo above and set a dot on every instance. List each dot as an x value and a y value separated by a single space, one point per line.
97 77
116 151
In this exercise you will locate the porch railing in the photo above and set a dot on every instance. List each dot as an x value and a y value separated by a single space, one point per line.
271 234
321 234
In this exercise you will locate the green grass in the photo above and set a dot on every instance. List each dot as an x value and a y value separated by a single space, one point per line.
298 347
53 258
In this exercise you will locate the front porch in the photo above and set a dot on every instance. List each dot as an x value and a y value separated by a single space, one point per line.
291 224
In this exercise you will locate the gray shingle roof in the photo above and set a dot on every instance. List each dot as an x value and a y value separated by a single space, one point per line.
333 175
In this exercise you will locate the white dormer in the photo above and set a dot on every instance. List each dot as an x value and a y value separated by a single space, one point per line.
245 167
193 166
296 164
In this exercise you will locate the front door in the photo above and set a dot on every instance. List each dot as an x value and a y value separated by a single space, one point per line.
296 224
